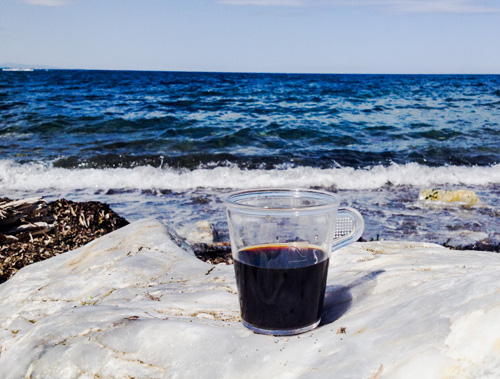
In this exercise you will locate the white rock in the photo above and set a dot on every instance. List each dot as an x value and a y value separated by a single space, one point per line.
134 304
466 237
201 232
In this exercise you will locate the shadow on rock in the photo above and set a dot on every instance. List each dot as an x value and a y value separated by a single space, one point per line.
338 299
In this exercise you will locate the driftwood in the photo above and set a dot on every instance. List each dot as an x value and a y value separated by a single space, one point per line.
22 219
214 253
46 230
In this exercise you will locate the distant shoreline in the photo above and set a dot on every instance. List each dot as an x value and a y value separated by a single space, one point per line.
15 67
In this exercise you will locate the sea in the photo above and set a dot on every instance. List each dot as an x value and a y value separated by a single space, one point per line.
172 145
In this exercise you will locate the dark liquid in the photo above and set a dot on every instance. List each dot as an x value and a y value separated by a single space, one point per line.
281 287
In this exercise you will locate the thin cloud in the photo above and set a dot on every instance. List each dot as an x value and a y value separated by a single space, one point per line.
265 3
398 6
439 6
46 3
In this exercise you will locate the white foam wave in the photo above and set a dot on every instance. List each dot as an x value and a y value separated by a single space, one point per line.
39 177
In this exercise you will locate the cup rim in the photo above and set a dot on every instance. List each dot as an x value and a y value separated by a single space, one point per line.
332 201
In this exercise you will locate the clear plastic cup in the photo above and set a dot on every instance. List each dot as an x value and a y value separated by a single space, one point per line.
281 241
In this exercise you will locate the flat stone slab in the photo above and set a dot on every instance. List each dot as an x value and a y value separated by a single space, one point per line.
135 304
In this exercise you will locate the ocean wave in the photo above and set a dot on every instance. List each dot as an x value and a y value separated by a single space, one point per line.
40 177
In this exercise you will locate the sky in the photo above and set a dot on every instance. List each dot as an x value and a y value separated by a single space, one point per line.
293 36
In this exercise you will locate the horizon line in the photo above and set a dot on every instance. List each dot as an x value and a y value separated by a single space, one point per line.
45 67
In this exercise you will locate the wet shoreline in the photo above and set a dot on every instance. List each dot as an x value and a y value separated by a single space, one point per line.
78 223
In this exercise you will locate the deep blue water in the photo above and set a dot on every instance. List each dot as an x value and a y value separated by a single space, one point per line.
116 118
155 143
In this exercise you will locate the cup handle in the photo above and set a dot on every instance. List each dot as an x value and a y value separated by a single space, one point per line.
349 227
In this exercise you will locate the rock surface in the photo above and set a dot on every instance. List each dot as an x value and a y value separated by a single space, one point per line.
134 304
